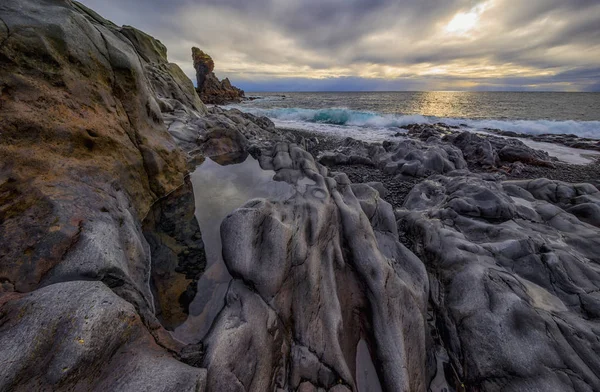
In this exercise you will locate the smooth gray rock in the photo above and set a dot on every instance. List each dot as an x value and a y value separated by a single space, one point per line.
312 274
483 150
514 280
406 158
81 336
219 132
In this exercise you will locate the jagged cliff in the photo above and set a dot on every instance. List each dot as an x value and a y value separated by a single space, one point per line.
210 88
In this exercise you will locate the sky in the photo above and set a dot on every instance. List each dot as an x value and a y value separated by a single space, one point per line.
379 45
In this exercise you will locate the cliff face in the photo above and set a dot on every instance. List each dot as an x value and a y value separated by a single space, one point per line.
210 89
84 153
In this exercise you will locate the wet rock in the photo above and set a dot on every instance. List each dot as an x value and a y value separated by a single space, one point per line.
178 257
221 132
425 132
476 149
406 158
493 152
512 153
79 97
482 151
572 141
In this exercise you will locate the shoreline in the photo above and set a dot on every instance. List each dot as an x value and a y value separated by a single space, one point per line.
398 189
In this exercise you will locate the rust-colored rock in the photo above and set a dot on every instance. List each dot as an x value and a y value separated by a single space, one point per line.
84 153
210 88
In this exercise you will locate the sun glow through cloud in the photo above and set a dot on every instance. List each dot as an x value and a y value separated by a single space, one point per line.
464 22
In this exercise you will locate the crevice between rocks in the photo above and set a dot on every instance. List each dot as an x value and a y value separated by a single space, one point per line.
8 33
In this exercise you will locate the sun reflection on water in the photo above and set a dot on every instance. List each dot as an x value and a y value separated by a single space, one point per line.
442 104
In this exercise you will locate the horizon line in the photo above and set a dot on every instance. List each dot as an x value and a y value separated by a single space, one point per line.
420 91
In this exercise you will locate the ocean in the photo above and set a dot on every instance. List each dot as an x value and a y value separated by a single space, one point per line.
376 115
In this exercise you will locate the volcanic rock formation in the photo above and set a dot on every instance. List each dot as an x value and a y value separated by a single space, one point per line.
315 274
100 253
210 88
437 149
86 153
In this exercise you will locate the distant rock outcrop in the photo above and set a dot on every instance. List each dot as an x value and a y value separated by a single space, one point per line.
210 89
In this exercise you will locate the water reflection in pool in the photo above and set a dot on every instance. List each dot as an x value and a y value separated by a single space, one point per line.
219 190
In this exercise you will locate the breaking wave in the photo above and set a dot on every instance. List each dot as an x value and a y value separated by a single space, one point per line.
299 117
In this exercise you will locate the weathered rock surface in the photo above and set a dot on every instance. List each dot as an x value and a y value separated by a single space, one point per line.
313 274
85 283
482 150
221 133
514 278
438 149
406 158
82 336
84 154
210 88
96 126
572 141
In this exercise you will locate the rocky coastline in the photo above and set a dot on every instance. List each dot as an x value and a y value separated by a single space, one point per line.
437 259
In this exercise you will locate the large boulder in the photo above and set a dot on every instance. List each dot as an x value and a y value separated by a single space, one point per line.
220 133
482 150
82 336
405 158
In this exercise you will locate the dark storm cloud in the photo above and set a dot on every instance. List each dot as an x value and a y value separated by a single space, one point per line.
401 44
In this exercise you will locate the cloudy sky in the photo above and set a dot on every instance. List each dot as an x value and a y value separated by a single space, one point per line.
314 45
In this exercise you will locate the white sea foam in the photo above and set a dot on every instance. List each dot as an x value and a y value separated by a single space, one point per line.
357 121
377 127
